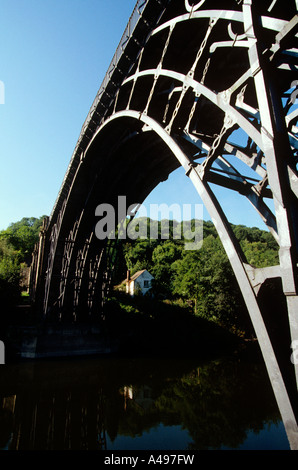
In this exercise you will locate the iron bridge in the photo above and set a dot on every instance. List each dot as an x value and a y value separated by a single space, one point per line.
186 78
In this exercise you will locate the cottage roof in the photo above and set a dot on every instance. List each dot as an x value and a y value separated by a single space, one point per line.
137 274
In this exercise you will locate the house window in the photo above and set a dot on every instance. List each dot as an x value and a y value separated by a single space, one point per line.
146 283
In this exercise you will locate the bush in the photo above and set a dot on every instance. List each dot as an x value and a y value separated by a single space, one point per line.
10 275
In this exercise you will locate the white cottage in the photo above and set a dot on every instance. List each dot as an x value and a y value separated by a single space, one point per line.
139 282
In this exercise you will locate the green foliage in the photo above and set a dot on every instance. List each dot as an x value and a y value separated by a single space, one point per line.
203 279
10 274
16 247
138 254
258 253
10 261
23 235
163 258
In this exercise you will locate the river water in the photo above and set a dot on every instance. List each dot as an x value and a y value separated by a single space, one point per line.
143 403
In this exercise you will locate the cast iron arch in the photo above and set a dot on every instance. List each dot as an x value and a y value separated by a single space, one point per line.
189 108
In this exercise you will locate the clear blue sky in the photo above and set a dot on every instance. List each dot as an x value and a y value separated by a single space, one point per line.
54 56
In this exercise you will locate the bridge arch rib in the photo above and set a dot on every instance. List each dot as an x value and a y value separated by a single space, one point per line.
201 73
235 254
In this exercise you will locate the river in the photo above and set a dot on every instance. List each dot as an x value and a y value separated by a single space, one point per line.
145 403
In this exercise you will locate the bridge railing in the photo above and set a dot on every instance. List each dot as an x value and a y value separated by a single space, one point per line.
94 116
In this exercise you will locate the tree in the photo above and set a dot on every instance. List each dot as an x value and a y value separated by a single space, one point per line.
206 277
202 278
10 274
16 247
138 254
163 257
23 235
259 254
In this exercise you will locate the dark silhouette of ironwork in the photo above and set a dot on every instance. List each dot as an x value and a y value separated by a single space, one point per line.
185 81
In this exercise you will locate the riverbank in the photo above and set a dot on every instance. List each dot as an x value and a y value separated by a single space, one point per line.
147 326
139 326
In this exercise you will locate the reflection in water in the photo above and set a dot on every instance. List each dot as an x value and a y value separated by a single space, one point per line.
117 404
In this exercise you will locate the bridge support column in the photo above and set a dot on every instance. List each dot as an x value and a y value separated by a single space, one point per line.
230 244
37 265
278 158
292 303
